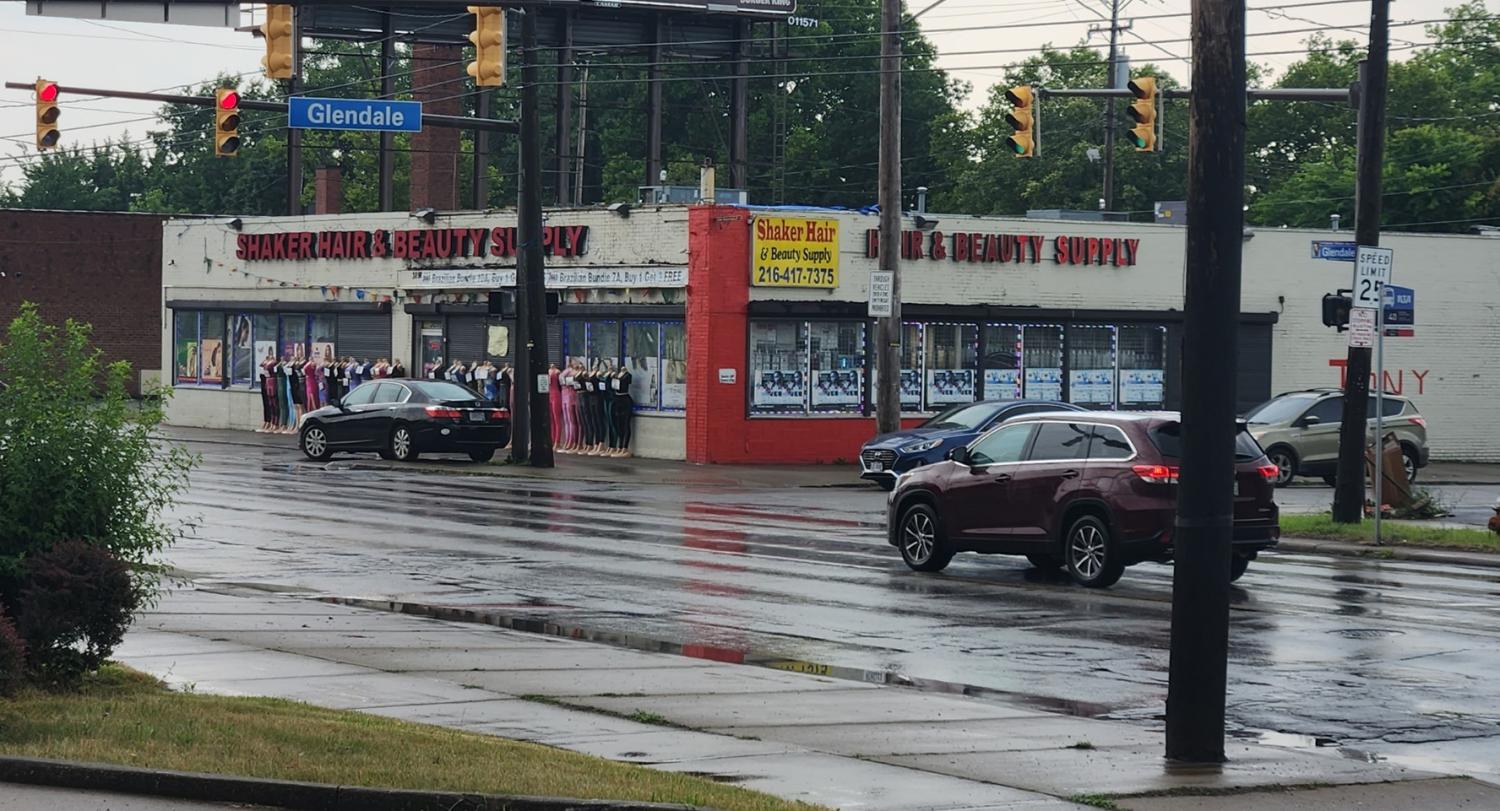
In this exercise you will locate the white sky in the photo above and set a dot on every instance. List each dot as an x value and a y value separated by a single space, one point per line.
158 57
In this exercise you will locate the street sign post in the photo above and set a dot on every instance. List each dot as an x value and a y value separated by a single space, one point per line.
368 115
1372 272
1362 327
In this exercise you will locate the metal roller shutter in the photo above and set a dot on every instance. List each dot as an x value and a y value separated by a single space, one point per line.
468 338
554 341
364 336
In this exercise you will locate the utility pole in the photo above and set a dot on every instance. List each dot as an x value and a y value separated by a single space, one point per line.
531 430
1211 309
1349 490
1109 107
888 334
294 136
387 158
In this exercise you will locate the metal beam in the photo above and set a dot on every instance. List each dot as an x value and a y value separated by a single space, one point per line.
450 121
564 117
1253 94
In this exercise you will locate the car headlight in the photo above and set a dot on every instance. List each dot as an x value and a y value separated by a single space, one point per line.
919 447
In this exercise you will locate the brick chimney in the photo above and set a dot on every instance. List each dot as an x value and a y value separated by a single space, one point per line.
328 190
437 73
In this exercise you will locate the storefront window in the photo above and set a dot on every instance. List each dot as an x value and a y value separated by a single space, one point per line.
674 366
265 339
778 364
211 354
324 331
603 343
575 344
241 350
1042 361
185 345
294 338
952 364
430 341
643 360
1091 365
838 365
1143 361
1002 362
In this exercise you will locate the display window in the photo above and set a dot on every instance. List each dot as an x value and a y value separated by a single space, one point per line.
226 349
1091 365
185 345
952 365
654 352
1143 363
1042 362
643 359
1001 364
322 334
674 366
778 367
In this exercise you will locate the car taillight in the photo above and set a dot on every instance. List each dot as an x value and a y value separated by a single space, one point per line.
1419 420
443 413
1156 474
1269 472
499 414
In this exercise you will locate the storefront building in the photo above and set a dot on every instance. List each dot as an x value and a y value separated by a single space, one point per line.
747 330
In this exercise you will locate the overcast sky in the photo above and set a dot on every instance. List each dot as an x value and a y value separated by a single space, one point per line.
158 57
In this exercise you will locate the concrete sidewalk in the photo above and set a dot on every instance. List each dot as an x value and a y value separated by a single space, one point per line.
805 737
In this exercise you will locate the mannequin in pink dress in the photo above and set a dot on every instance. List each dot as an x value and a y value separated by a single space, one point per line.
554 401
565 383
310 375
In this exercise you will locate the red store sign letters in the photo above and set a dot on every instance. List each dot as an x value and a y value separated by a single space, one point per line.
419 243
1012 248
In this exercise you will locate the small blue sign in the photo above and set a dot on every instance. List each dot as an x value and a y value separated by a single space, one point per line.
1334 251
369 115
1400 306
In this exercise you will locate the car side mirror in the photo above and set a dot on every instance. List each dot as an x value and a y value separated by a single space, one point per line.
959 454
1309 421
336 403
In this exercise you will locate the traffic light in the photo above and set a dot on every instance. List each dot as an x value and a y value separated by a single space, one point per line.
1336 310
46 114
1022 117
280 44
488 67
1142 112
226 123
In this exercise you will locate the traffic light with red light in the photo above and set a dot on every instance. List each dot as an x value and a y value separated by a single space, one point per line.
280 44
1142 113
226 122
47 113
1022 118
488 67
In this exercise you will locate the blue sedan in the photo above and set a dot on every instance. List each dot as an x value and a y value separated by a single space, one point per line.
887 456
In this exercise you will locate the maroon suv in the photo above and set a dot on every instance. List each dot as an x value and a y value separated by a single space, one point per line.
1094 492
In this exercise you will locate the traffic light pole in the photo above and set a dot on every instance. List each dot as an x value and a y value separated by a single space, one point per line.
1349 488
1109 113
888 335
294 136
1205 500
531 426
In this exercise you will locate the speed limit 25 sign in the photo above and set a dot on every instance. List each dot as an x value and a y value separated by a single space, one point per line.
1372 272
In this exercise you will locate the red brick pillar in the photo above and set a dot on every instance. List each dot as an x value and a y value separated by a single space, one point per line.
328 190
438 80
717 325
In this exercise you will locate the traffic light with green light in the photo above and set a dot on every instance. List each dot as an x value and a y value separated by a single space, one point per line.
1142 114
1022 118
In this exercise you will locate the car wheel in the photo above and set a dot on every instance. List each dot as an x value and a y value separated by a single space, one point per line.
402 446
1045 562
1409 461
921 540
482 456
1286 464
1237 566
1091 558
314 443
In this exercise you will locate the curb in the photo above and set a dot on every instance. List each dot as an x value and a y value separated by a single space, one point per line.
286 794
1388 552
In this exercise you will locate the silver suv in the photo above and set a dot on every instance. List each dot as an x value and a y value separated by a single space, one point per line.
1300 432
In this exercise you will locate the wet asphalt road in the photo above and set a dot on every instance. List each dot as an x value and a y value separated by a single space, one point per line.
1379 658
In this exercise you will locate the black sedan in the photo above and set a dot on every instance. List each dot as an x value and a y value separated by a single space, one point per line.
403 418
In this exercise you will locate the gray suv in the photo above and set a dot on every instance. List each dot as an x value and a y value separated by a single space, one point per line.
1300 432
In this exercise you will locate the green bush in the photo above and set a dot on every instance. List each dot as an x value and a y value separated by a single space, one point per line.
77 457
12 655
75 604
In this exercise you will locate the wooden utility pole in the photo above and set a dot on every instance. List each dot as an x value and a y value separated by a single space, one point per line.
1109 107
1349 490
1211 314
531 430
888 334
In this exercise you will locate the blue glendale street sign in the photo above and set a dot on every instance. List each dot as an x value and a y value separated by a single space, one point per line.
370 115
1334 251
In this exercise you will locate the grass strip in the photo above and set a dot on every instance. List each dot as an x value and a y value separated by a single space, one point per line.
124 717
1405 533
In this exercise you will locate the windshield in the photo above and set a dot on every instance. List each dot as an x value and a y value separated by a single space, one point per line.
967 415
1281 409
444 392
1168 439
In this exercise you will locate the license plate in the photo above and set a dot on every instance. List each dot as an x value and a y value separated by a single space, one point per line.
876 467
476 416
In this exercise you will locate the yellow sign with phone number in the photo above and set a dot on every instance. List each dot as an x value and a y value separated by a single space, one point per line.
794 252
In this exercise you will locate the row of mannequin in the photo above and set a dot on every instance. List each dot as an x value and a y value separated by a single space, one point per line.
592 409
297 384
491 381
